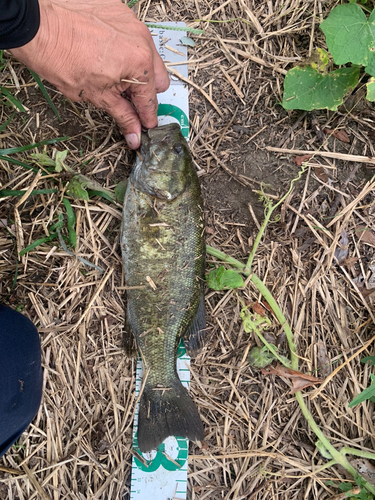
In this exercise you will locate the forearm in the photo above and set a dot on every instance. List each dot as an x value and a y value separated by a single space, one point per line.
19 22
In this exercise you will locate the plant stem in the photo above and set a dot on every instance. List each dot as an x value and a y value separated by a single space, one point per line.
338 456
268 212
358 453
259 236
266 294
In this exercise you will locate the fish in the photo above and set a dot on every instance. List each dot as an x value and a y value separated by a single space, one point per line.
163 254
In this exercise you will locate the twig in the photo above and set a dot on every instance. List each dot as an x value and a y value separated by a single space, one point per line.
335 372
327 154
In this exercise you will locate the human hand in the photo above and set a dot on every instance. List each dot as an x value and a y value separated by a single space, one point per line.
93 51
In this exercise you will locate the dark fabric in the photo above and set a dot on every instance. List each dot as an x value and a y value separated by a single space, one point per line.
19 22
20 375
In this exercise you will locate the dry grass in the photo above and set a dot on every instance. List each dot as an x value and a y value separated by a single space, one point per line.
258 445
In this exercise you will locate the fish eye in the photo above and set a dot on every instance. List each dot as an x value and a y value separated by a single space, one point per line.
178 148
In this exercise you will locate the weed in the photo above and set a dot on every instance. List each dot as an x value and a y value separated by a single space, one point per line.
369 393
350 39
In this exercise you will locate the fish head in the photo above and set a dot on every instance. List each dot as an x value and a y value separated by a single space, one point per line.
163 163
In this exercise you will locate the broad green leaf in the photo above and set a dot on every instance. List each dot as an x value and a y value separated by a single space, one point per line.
59 160
364 395
77 190
350 36
370 68
223 279
94 186
43 159
185 40
370 89
305 88
368 359
120 190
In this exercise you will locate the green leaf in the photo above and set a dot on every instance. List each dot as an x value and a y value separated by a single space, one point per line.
15 192
319 60
81 183
42 159
36 243
16 103
185 40
102 193
120 190
254 322
370 89
223 279
370 68
350 36
59 160
4 125
10 151
305 88
260 357
58 225
14 161
364 395
45 93
368 359
71 222
77 190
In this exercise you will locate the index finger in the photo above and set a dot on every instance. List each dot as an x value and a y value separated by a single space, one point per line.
143 97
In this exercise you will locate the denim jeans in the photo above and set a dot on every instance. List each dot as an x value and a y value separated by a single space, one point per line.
20 375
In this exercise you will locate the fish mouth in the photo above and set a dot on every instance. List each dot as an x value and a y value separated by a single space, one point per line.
164 134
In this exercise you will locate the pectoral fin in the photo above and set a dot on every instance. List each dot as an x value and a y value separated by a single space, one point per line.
194 338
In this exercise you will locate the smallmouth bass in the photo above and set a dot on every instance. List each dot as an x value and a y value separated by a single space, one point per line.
163 251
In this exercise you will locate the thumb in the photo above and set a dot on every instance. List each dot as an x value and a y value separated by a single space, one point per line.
125 116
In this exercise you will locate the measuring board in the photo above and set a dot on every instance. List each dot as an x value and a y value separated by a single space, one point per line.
162 474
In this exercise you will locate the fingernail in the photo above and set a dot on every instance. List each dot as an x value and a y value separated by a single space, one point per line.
133 140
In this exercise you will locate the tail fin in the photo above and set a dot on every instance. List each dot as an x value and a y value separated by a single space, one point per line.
167 413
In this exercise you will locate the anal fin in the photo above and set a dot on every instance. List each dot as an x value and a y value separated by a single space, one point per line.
194 337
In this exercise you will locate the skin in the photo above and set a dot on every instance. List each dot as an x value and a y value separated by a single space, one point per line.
87 48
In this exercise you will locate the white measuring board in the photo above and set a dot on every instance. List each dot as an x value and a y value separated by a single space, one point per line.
162 474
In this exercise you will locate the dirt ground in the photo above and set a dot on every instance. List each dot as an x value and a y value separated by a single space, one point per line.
258 444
